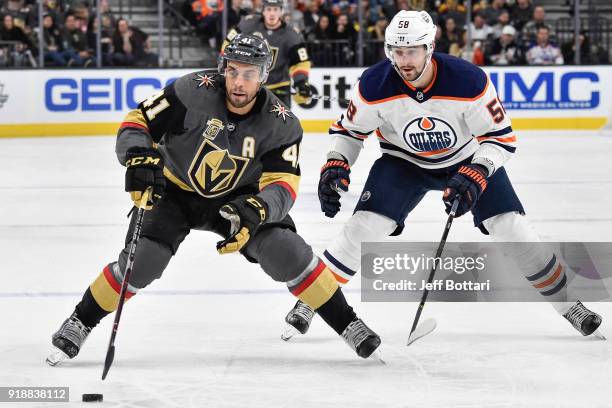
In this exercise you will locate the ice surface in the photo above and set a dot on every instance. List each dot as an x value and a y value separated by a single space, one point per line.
208 333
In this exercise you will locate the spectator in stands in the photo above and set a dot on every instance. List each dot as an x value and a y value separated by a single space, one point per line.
207 14
451 9
451 36
21 13
520 13
505 50
543 52
53 52
491 14
377 31
81 13
131 46
322 31
294 16
502 21
480 30
530 29
75 41
590 54
22 53
375 10
105 10
106 41
475 54
321 51
345 31
311 17
50 7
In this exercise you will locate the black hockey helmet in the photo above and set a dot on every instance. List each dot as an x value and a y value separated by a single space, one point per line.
249 49
273 3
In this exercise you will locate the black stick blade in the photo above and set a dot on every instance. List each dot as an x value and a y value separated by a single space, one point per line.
110 356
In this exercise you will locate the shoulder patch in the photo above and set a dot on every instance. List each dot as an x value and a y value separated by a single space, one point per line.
206 78
281 111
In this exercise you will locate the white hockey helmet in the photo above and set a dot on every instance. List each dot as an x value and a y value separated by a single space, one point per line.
409 29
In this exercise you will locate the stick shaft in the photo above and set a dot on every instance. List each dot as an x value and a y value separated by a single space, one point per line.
110 351
432 273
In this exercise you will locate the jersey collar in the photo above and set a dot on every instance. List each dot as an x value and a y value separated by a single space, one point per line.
421 95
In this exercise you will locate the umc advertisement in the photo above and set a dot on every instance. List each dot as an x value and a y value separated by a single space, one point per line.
94 102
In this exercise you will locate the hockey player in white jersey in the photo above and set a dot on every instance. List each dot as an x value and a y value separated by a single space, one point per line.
441 126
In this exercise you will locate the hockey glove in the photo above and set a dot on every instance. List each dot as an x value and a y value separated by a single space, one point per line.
334 178
145 168
304 93
469 182
245 213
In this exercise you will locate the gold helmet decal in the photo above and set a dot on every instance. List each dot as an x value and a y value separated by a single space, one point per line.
214 171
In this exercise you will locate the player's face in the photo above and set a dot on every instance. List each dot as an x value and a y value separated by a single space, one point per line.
410 61
241 83
272 15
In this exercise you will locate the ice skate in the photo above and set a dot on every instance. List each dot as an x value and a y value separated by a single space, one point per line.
67 341
362 339
583 320
298 320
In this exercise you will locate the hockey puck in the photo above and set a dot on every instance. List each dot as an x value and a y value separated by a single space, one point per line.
92 397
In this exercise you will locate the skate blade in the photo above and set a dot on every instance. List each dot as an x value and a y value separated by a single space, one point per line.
598 335
377 356
289 332
56 357
422 330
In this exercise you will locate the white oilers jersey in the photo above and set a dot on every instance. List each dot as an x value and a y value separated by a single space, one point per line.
456 117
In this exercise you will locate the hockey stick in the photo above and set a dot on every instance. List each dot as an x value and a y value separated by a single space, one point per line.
430 324
110 352
317 97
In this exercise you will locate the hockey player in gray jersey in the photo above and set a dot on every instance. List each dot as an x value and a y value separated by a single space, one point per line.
290 59
220 153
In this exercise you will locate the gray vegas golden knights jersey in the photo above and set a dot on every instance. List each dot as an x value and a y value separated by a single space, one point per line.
211 152
290 58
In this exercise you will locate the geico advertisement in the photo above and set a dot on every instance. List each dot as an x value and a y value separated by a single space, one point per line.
106 95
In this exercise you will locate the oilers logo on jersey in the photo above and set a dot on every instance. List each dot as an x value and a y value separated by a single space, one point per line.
429 135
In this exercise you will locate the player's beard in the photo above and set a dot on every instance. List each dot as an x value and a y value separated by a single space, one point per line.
241 100
414 73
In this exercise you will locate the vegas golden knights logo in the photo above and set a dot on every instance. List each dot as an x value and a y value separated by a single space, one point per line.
214 171
214 126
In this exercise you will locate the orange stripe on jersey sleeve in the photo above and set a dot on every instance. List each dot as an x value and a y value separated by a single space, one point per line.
290 182
135 119
511 139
